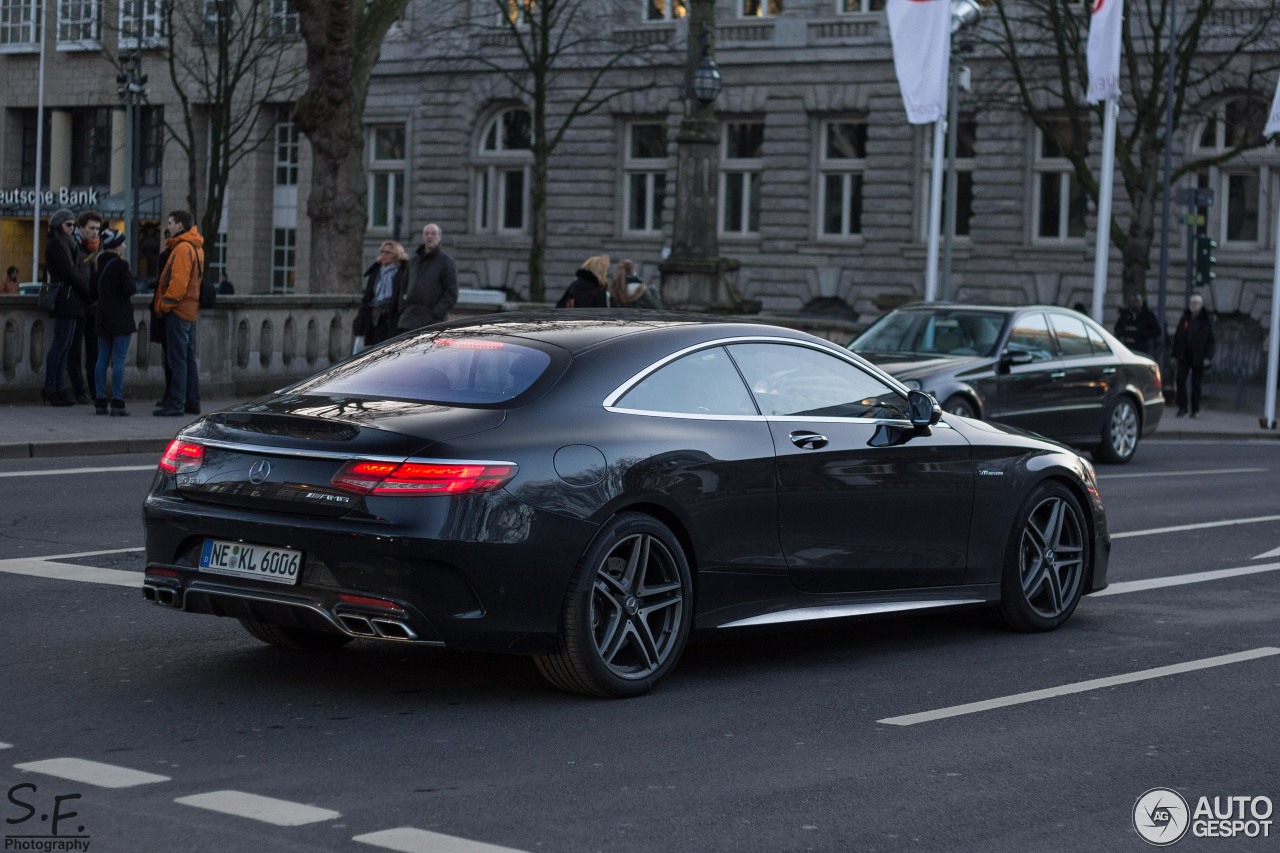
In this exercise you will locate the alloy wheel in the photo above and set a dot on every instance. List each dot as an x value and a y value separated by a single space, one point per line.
1051 557
637 602
1124 429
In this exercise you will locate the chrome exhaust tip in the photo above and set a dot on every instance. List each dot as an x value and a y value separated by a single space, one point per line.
393 629
357 625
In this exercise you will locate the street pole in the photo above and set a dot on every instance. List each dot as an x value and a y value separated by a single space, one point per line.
953 131
1273 348
1110 108
1163 302
935 213
35 209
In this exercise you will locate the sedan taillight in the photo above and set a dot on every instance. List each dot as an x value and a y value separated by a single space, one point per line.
182 457
421 478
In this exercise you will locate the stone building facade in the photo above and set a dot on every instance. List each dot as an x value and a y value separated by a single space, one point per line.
822 189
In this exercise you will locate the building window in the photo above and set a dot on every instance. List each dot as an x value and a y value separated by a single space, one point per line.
78 24
645 165
91 147
18 25
28 170
386 178
283 23
859 6
284 252
664 10
216 257
140 20
841 163
214 17
966 134
741 164
502 173
153 137
1060 201
759 8
286 148
1237 214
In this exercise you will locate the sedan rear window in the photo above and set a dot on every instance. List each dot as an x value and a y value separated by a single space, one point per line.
437 369
938 332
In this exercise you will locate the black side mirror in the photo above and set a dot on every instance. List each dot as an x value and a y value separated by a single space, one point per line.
1010 357
924 410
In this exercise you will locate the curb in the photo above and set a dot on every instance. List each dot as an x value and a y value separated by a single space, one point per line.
89 447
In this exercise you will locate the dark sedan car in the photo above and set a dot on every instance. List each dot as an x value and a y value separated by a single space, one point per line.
589 487
1038 367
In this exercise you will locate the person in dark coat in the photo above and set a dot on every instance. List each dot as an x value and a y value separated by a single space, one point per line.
1137 326
378 317
115 322
1193 349
67 268
628 290
83 356
588 289
431 287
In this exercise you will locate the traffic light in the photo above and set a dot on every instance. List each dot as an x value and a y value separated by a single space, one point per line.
1205 260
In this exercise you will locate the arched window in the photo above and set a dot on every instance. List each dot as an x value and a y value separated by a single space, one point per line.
1241 186
502 176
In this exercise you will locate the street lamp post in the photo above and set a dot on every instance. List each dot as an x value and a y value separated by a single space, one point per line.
694 275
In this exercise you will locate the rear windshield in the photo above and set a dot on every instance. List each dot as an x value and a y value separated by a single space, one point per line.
437 369
940 332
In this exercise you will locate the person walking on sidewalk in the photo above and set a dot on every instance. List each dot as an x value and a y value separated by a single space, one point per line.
177 304
431 287
1137 326
115 322
83 356
64 263
1193 350
377 318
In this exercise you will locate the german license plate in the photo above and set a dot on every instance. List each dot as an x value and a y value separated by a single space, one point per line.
279 565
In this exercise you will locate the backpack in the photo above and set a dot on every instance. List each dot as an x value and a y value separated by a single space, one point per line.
208 289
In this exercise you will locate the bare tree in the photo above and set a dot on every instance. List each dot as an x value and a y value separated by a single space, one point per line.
1220 48
343 39
225 59
557 56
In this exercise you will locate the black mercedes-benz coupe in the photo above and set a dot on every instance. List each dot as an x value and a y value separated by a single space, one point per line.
1039 367
590 487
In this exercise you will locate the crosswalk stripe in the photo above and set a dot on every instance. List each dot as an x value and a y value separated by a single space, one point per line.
407 839
40 568
91 772
255 807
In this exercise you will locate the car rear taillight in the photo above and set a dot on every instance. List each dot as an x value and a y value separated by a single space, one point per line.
182 457
422 478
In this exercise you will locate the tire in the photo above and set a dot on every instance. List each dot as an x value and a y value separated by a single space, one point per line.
297 639
958 404
1046 561
626 614
1121 430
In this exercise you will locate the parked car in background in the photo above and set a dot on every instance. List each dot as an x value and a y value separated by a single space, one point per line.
1043 368
588 487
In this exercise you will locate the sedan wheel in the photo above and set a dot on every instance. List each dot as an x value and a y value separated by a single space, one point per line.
298 639
958 405
1119 432
1045 565
627 613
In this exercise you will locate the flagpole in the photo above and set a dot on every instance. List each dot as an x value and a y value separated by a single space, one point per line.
935 211
1110 108
1273 349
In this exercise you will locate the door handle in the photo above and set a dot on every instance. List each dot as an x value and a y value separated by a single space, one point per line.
1057 374
808 440
1108 371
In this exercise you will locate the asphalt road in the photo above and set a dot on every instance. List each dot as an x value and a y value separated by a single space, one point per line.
817 738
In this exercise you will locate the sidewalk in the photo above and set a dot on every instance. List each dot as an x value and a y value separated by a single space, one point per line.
30 430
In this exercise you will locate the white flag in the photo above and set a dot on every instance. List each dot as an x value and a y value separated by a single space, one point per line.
1273 123
1104 50
921 34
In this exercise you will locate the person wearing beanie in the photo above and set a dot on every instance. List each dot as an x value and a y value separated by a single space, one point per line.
65 265
588 289
115 322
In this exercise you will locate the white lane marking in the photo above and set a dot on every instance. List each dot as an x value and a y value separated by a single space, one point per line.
39 568
6 746
1180 580
1275 552
90 553
77 471
1079 687
91 772
1203 525
254 807
406 839
1183 473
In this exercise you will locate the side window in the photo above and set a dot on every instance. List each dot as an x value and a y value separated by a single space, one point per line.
1097 343
797 380
1073 338
701 383
1031 334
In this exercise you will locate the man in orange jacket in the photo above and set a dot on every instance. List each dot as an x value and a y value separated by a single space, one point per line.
176 305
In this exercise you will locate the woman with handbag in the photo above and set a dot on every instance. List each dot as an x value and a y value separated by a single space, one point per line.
68 273
378 314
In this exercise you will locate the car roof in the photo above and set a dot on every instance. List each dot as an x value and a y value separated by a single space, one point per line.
581 329
999 309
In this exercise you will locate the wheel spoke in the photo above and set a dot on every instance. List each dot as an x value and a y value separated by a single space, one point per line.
1033 580
646 644
636 562
1053 586
1053 529
1034 537
620 632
